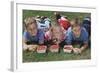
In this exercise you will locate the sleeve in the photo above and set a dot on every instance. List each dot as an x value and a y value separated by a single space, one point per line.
41 37
68 39
47 35
85 36
25 35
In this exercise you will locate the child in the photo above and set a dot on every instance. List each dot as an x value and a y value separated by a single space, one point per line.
87 24
44 24
77 35
62 21
32 35
55 35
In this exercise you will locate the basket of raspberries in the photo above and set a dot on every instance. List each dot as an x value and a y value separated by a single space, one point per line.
68 48
54 48
41 49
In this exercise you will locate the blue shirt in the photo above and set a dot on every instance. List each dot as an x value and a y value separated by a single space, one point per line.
34 39
70 37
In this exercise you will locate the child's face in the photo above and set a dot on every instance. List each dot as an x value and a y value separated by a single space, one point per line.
57 35
77 31
56 31
32 29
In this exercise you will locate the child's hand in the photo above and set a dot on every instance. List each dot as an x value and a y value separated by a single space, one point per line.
56 41
25 47
77 50
32 47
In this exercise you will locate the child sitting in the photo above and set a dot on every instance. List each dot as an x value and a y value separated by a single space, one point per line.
77 34
32 35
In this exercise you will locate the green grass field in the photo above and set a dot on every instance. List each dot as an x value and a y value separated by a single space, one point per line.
35 57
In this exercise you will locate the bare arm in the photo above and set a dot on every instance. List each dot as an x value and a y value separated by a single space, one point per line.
25 46
84 47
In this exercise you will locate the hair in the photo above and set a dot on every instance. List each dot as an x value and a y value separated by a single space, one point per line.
76 22
56 27
29 21
58 15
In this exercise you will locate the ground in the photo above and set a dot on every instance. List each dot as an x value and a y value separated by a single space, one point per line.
35 57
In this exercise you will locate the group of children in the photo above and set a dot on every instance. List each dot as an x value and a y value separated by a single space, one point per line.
40 31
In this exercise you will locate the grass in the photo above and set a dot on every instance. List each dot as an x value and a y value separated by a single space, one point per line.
35 57
38 57
50 14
